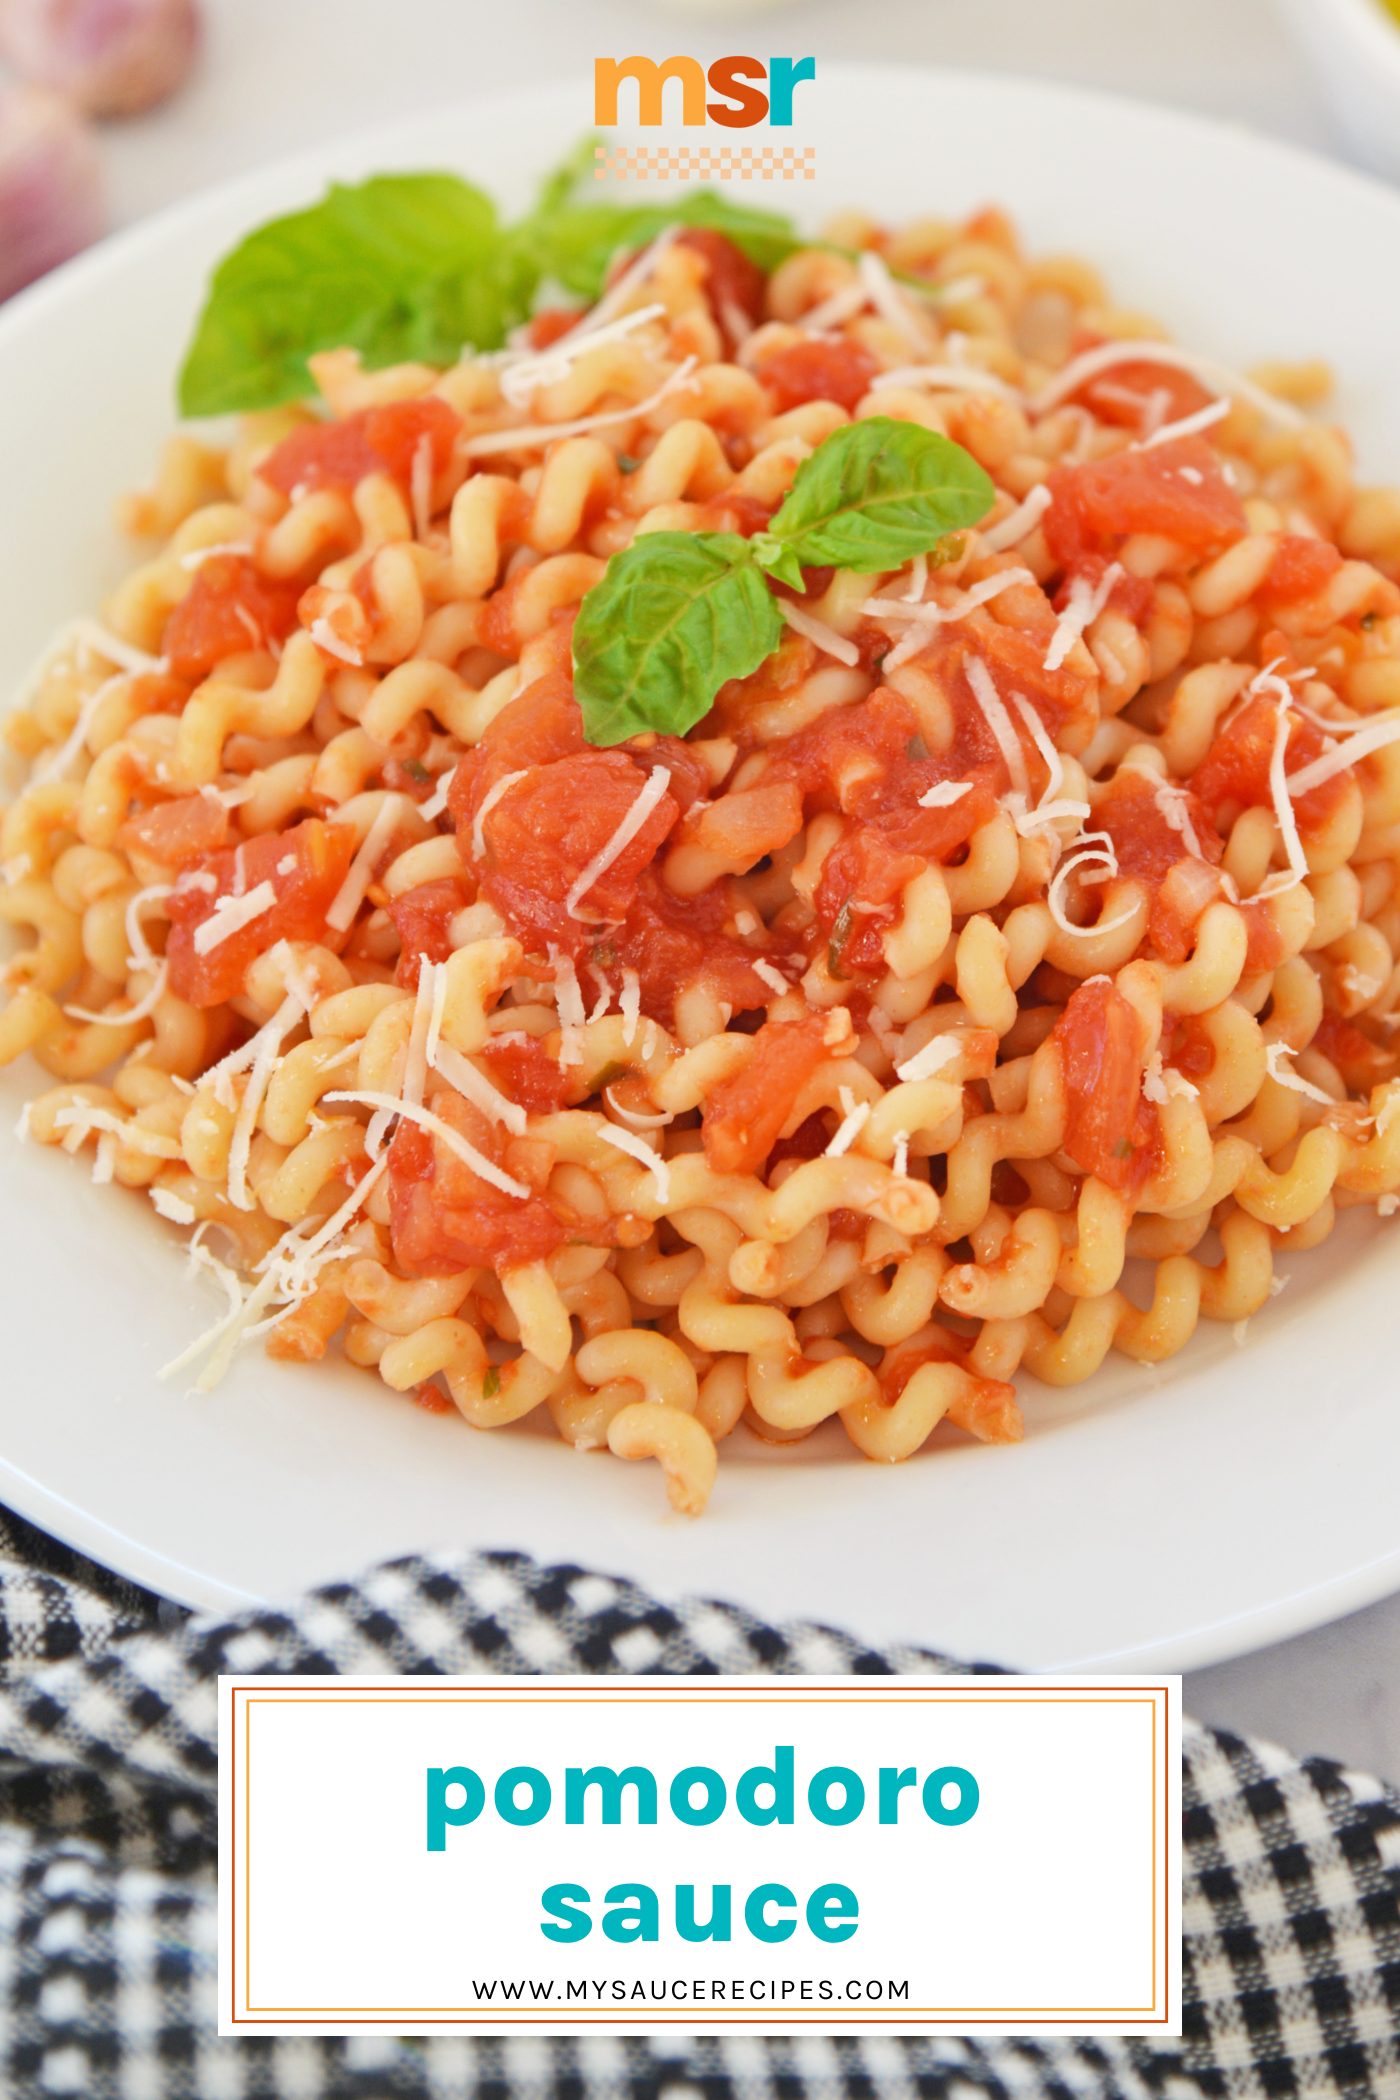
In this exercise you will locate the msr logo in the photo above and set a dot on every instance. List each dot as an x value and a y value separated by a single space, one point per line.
747 91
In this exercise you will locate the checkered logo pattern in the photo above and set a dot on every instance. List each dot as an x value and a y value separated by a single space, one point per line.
108 1933
706 163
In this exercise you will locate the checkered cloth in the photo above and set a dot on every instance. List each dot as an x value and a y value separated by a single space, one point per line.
107 1864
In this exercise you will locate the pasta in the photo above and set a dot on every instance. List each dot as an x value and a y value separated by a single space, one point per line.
998 976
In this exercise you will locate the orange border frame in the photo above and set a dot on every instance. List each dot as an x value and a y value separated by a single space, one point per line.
795 1693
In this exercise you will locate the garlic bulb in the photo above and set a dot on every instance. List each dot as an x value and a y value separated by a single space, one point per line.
50 196
112 57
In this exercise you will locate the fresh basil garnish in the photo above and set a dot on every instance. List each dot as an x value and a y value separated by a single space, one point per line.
405 267
399 267
678 613
675 615
872 496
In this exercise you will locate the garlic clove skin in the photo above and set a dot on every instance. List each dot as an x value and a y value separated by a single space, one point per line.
113 58
50 189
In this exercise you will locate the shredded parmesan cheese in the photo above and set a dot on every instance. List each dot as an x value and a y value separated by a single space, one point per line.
144 1007
572 1016
944 793
414 1112
547 367
771 976
270 1039
959 379
1020 523
475 1087
437 801
1092 848
171 1206
938 1051
1136 350
899 1164
341 910
630 1005
1283 806
826 638
325 637
231 914
1360 744
1187 426
984 692
1274 1059
637 1148
1086 601
648 796
529 435
850 1127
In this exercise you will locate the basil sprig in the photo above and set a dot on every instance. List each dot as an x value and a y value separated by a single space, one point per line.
407 267
677 614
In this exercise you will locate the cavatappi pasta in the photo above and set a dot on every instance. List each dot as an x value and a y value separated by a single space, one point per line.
1029 920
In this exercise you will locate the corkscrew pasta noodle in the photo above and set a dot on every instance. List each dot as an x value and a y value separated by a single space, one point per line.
999 976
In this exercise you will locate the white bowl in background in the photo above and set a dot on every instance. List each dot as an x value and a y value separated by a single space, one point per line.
1354 45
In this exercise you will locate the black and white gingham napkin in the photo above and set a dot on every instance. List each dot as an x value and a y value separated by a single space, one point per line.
107 1864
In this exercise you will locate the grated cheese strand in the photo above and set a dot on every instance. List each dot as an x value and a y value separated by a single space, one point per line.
848 1130
1186 426
518 382
1278 1071
341 910
984 692
637 1148
826 638
270 1039
231 914
959 379
648 796
528 435
1279 790
1086 602
944 793
1137 350
493 795
144 1007
938 1051
1360 744
414 1112
1020 523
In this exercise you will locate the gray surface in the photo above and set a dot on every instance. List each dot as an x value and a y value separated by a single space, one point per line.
277 76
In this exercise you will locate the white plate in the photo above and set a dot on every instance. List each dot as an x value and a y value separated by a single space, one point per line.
1152 1519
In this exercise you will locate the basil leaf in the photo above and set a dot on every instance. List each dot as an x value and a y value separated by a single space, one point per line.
674 616
574 240
872 496
398 267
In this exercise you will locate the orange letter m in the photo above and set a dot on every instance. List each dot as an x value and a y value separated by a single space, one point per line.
651 76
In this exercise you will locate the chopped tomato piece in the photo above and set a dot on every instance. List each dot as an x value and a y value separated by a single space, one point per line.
179 832
229 608
1300 569
550 826
1125 393
813 370
1235 771
377 441
305 866
550 323
745 1114
1361 1062
423 916
734 286
1177 490
524 1069
443 1217
1110 1130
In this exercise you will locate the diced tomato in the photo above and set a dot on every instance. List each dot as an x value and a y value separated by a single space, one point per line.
305 865
1301 568
744 1114
1180 881
177 833
1235 771
377 441
1361 1062
548 827
408 776
443 1217
1177 491
423 916
550 323
1123 394
813 370
1110 1130
862 879
524 1069
1066 699
229 608
734 286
